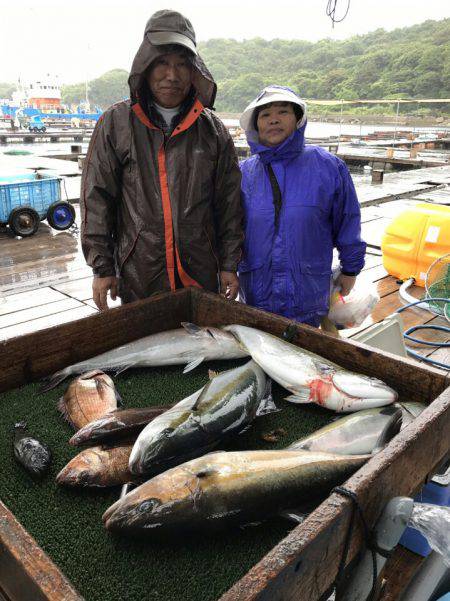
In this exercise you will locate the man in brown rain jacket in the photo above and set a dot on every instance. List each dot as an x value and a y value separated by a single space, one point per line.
160 192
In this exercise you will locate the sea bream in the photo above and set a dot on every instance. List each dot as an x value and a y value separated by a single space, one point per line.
121 423
309 377
189 345
228 403
226 488
87 398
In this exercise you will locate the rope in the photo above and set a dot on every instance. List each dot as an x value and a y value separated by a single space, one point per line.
370 543
331 11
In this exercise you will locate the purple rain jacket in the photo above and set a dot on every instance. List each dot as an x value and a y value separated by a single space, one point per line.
287 269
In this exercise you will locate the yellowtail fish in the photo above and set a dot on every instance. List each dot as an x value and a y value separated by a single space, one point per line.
311 378
227 488
189 346
228 403
359 433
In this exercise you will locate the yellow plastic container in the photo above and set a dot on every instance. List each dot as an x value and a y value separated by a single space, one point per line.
414 239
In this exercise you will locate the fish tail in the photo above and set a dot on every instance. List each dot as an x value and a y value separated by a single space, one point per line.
54 380
391 429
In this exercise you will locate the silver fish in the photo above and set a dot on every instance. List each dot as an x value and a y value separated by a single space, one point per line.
359 433
228 403
227 488
311 378
189 345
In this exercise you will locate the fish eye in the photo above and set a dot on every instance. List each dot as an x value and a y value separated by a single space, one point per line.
148 505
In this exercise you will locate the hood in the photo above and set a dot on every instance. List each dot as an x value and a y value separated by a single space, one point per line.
176 29
268 95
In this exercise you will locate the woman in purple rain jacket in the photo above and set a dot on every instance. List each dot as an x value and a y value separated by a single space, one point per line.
299 203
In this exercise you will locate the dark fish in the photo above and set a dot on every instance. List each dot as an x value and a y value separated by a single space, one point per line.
32 454
116 424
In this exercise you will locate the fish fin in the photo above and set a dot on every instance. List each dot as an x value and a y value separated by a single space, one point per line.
267 404
123 368
88 375
212 373
63 410
301 397
119 399
293 515
193 364
53 381
192 329
391 429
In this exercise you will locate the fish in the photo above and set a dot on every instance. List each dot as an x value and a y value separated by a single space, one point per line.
311 378
223 489
228 403
98 467
33 455
189 345
87 398
359 433
410 410
121 423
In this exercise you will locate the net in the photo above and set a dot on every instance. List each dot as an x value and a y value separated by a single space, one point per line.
437 285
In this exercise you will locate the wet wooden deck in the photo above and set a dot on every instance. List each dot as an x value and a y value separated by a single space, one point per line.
44 281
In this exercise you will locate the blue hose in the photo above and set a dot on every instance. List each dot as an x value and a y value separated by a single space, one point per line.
406 334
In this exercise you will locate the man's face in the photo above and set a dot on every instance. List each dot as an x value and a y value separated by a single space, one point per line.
169 78
276 122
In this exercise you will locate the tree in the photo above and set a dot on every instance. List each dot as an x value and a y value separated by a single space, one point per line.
109 88
7 89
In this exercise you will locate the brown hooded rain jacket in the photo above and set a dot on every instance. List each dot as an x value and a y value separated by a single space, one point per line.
151 207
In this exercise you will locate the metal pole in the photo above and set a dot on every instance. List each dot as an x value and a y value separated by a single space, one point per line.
340 122
396 123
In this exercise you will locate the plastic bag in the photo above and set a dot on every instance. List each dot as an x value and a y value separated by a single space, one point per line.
433 522
350 311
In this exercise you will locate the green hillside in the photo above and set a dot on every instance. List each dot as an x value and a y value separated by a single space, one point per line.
412 62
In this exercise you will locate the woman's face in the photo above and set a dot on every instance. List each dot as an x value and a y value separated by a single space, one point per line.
276 122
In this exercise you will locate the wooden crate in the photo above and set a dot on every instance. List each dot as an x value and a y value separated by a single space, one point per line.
304 564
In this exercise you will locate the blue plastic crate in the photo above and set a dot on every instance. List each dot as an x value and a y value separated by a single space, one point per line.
28 190
432 493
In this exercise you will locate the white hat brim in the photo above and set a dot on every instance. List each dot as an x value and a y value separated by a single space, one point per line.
268 96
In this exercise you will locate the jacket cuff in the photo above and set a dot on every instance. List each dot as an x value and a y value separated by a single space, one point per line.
104 272
350 273
229 266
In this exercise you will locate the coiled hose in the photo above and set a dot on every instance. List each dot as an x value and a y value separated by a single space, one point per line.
407 333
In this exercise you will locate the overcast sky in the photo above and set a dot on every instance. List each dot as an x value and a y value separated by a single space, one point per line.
84 38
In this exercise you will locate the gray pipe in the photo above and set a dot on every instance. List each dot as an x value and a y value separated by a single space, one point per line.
387 533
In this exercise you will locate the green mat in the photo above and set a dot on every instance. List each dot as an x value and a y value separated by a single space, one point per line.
67 523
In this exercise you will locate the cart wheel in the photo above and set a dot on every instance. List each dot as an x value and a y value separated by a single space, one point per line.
23 221
44 129
60 215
